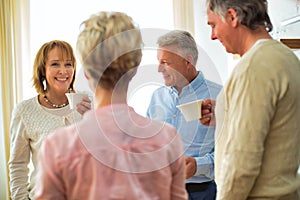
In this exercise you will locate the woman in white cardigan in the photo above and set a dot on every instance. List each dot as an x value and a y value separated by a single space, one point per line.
33 119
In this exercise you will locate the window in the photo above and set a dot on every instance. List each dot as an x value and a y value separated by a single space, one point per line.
57 19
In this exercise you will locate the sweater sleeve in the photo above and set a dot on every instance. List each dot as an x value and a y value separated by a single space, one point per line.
19 158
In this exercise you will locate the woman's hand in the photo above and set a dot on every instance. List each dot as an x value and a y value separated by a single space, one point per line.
84 105
208 113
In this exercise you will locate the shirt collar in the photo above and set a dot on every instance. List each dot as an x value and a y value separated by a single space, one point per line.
192 86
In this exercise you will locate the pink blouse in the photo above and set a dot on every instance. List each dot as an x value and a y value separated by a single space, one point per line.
113 153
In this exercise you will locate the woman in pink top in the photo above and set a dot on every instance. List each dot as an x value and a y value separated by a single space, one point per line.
113 153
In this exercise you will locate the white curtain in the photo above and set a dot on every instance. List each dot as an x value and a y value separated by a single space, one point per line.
12 44
184 15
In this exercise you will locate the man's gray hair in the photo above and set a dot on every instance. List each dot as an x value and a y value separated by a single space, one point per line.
183 40
250 13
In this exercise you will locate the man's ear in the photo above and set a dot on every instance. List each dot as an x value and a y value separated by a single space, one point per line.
189 59
231 17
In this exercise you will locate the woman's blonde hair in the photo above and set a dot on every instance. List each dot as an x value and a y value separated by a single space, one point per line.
39 66
109 48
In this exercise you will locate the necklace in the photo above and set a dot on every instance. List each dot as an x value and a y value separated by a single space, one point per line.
55 105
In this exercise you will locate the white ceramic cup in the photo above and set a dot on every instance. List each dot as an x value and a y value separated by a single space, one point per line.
75 98
191 111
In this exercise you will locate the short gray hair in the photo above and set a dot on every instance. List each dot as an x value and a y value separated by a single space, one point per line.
183 40
250 13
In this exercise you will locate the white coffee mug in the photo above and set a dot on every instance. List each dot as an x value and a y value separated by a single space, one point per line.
75 98
191 111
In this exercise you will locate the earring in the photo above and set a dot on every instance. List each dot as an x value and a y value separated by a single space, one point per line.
45 84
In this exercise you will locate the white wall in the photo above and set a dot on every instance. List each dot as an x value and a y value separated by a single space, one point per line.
281 10
218 70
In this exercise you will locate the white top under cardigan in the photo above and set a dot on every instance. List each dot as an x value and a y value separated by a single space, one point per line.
30 124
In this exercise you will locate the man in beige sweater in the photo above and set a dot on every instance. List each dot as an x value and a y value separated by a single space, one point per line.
257 152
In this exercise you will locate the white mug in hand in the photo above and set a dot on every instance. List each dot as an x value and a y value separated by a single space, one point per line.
75 98
191 111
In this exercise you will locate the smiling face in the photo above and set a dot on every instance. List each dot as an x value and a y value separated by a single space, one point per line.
173 67
59 71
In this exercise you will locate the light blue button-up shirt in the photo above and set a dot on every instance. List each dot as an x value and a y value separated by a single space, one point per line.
198 140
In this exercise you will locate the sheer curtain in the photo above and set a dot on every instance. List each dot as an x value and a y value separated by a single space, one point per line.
184 15
10 76
7 77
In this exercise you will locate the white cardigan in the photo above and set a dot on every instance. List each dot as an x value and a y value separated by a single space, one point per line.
30 124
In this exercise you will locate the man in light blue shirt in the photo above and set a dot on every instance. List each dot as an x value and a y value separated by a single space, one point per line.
177 55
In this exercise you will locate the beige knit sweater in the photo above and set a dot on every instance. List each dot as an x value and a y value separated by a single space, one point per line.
257 150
